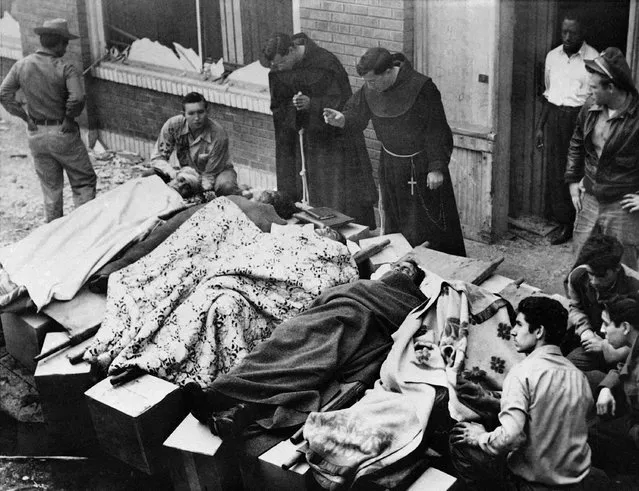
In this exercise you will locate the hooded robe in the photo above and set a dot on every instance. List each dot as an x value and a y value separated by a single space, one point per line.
410 122
339 170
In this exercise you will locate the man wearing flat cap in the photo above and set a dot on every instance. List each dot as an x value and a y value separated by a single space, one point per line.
55 97
603 159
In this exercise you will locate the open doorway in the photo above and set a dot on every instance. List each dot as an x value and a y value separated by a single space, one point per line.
537 31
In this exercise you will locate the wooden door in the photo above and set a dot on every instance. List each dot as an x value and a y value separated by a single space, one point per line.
537 30
534 21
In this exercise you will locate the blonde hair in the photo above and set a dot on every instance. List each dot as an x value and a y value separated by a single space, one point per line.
193 179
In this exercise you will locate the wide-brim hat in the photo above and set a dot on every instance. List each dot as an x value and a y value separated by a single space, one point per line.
56 26
612 63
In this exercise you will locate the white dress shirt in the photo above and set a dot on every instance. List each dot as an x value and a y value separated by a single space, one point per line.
566 76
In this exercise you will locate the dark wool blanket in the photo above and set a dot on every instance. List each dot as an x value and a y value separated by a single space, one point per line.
345 335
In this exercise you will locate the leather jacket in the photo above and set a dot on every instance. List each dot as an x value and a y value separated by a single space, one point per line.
616 172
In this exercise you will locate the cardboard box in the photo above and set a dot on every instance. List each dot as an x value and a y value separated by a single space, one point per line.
61 386
200 460
24 335
132 420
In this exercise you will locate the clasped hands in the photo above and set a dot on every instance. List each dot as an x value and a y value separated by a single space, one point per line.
301 102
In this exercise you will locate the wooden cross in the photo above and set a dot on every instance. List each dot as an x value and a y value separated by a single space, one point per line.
412 183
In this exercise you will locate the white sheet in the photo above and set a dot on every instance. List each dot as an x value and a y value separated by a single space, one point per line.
56 259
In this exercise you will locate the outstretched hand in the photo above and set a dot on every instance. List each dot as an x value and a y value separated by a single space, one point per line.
334 118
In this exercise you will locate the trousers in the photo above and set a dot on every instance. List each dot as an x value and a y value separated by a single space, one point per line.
609 219
559 128
54 152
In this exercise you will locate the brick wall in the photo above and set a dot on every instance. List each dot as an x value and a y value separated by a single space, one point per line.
349 27
140 113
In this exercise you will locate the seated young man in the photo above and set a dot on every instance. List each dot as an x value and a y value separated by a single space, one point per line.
199 142
598 277
541 442
614 437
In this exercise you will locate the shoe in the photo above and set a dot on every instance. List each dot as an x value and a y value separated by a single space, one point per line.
565 234
230 424
196 402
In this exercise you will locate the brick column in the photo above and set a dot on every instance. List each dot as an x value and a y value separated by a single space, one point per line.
349 27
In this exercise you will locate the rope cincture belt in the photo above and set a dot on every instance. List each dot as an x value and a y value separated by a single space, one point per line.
401 156
412 181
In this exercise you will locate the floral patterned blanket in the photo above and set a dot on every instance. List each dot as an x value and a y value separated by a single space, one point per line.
199 302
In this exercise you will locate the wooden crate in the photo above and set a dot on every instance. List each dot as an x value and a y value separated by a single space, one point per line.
24 335
266 470
200 460
61 386
132 421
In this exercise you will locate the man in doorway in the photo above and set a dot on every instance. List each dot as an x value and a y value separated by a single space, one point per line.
55 97
566 92
603 159
199 142
533 448
409 120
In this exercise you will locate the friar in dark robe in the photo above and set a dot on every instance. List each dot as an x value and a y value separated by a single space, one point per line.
304 79
409 121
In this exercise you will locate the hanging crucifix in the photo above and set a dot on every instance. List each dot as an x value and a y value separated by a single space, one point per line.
412 181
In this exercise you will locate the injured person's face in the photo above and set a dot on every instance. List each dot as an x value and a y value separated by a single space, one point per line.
410 269
187 182
330 233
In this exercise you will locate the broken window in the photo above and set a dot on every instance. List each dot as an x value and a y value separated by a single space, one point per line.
231 29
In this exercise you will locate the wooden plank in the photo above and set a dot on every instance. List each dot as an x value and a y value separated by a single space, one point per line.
433 480
515 293
451 267
82 312
397 248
